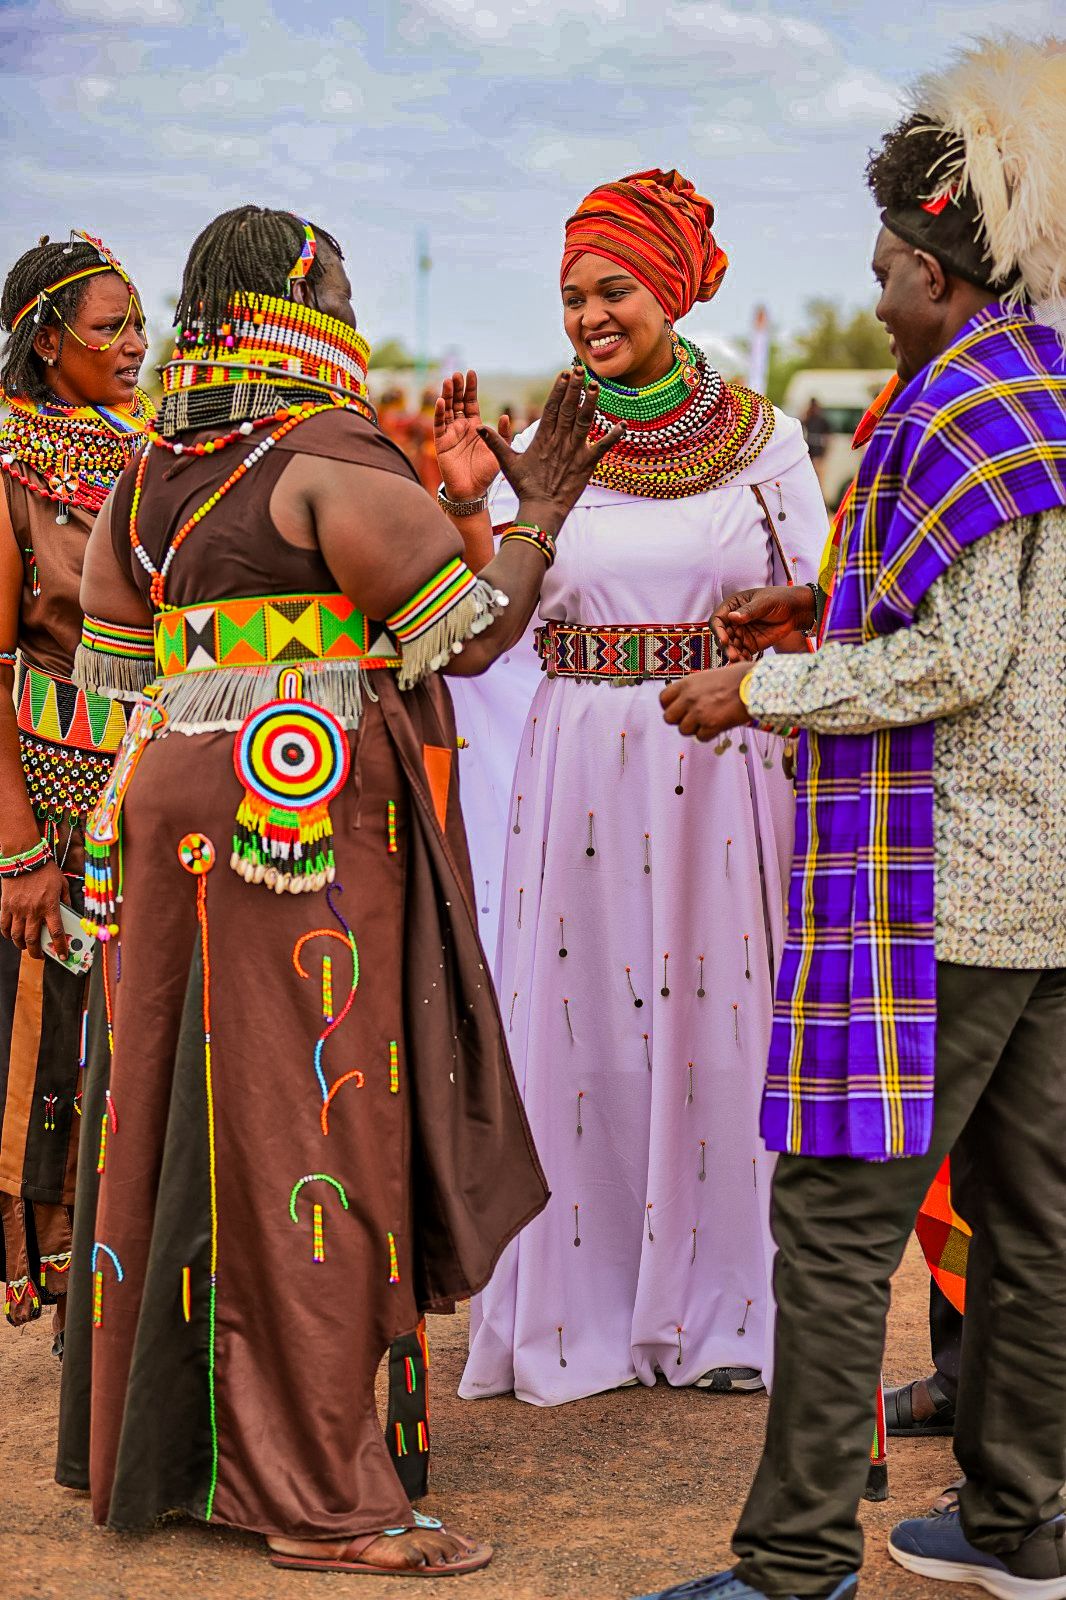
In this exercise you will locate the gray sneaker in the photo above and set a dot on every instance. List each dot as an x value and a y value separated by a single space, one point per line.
731 1380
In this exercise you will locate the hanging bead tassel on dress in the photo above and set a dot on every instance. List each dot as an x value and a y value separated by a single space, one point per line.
742 1330
736 1022
510 1019
580 1097
694 1244
651 1236
569 1024
517 815
577 1229
680 1331
647 1051
647 854
689 1097
702 1173
590 848
521 892
701 993
533 736
679 787
562 1358
562 938
747 956
637 1001
665 990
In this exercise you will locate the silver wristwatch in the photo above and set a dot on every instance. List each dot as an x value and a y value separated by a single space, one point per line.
461 508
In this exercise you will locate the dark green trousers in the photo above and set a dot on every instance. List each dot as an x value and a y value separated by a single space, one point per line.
841 1227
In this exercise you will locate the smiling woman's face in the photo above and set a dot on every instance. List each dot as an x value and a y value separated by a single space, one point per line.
616 326
84 377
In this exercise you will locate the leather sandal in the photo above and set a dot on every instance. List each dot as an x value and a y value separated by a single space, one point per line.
350 1558
900 1421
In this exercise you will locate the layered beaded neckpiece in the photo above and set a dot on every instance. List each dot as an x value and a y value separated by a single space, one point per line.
274 353
687 433
78 451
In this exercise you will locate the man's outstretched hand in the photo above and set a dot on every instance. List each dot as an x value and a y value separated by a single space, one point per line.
753 620
705 704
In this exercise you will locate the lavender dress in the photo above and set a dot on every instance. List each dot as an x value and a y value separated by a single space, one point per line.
641 919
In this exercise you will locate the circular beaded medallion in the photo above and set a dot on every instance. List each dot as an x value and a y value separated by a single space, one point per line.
292 754
196 853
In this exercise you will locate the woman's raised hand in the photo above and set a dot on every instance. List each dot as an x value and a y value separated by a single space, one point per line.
466 463
548 477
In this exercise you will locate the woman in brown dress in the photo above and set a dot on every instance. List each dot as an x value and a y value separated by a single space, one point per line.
75 416
309 1129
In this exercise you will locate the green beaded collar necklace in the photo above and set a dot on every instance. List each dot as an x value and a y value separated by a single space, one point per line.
655 399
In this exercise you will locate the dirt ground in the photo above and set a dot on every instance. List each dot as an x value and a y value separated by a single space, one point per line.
600 1500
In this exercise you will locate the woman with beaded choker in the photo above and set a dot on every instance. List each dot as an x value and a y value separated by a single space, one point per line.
309 1132
643 887
75 416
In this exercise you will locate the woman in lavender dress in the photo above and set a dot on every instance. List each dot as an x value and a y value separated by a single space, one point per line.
642 892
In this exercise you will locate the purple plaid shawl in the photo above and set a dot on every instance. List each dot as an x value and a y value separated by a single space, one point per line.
976 440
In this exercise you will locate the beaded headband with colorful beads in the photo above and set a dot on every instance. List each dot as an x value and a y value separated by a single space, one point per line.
308 252
108 262
266 339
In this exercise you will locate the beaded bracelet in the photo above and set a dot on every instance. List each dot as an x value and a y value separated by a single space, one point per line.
7 658
26 861
531 533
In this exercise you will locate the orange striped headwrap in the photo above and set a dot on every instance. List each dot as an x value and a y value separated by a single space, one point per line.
654 225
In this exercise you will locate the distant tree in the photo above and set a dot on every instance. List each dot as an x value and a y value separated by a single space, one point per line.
392 355
829 338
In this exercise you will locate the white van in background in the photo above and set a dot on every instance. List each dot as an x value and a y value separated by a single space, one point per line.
844 394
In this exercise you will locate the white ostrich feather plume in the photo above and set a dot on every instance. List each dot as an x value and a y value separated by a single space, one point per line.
1005 100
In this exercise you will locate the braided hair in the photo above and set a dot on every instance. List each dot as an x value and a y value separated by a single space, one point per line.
250 249
23 372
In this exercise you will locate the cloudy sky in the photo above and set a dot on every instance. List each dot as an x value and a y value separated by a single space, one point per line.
481 122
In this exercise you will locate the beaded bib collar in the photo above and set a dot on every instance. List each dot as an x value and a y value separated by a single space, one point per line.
688 432
79 451
268 344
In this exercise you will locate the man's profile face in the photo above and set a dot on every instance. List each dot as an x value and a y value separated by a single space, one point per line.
907 309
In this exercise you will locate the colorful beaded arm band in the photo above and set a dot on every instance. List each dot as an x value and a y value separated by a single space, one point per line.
26 861
530 533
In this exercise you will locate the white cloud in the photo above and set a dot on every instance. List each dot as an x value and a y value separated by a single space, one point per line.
143 13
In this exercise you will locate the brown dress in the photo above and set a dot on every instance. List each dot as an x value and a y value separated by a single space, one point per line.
41 1004
256 1250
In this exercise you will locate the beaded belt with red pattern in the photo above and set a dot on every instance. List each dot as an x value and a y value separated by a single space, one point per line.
626 652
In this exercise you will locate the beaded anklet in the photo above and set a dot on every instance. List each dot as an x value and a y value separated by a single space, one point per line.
531 533
26 861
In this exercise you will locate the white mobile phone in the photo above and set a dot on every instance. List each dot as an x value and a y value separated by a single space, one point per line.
80 945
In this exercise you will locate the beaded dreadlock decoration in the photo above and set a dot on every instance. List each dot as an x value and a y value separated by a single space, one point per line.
687 433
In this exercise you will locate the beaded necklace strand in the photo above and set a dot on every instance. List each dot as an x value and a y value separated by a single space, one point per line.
78 451
158 576
688 432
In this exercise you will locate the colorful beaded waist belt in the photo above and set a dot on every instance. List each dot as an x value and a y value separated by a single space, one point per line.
628 653
59 712
273 631
67 740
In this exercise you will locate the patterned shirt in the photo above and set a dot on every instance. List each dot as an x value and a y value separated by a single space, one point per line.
986 660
